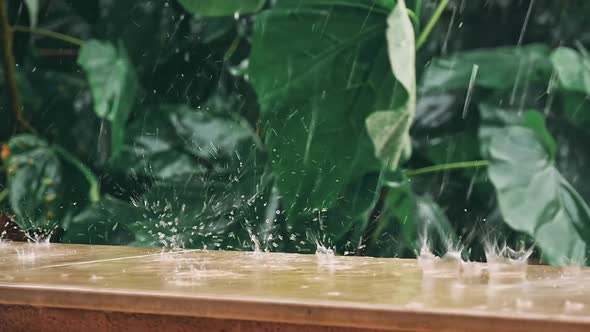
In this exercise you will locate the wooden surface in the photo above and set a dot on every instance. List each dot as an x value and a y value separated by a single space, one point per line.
319 292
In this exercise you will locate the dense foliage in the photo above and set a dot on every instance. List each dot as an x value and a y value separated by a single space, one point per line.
366 125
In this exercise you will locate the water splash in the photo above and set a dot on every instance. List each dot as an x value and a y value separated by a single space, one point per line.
504 260
450 264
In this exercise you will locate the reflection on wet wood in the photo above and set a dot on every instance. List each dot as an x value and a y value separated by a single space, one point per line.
241 291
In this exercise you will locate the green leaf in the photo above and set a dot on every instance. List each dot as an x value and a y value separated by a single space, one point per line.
43 191
34 183
105 222
347 221
535 198
33 7
407 218
494 119
389 130
519 65
222 8
573 69
205 182
319 69
536 122
176 140
113 83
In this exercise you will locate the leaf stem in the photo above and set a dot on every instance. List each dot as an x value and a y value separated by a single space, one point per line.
3 195
9 72
418 13
49 34
415 20
430 25
94 192
447 167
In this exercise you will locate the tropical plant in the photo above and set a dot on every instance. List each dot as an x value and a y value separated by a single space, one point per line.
365 125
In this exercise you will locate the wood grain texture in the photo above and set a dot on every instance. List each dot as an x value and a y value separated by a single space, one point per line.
298 290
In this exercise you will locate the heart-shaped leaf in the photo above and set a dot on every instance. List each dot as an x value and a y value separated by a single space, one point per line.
113 83
535 198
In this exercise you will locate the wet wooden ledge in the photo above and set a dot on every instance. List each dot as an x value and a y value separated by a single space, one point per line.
97 288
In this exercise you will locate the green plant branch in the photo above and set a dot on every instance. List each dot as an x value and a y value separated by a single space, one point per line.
94 192
10 74
430 25
3 195
49 34
447 167
418 14
415 20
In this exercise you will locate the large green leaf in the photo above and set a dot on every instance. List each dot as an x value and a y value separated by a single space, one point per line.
34 183
113 83
389 129
573 69
494 119
43 191
319 69
206 182
535 198
222 8
496 68
104 222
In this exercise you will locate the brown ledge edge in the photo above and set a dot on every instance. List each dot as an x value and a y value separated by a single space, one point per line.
340 315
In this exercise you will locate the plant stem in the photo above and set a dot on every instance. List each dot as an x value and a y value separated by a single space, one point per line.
447 167
418 13
415 20
49 34
430 25
9 72
94 192
3 195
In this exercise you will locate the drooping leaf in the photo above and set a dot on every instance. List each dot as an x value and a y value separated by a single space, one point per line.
222 8
41 195
389 129
519 65
113 83
573 69
319 69
535 198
